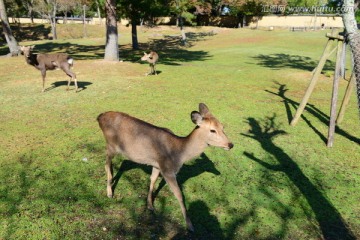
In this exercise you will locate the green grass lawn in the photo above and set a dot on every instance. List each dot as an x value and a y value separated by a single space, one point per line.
278 182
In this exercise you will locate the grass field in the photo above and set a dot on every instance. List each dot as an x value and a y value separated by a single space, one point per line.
278 182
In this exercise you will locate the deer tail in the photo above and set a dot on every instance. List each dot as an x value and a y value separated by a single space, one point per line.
70 60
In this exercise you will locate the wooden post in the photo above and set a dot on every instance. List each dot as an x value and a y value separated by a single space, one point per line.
346 99
335 95
313 81
343 60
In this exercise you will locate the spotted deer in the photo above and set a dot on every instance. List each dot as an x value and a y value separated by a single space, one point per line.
152 59
44 62
144 143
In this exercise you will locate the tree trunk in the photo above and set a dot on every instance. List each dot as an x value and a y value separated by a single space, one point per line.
52 17
84 22
30 7
112 46
11 41
183 34
53 26
98 11
135 44
354 40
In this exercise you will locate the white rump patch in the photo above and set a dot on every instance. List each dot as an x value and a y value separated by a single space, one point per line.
70 61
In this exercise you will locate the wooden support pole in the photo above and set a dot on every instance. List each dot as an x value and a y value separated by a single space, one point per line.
343 60
313 81
330 53
335 95
346 99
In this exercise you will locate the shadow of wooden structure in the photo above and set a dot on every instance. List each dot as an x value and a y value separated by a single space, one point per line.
340 48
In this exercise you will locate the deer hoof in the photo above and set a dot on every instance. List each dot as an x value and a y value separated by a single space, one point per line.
191 228
150 207
109 192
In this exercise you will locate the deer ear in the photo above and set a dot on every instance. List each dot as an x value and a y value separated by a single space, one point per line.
196 117
203 109
32 47
144 53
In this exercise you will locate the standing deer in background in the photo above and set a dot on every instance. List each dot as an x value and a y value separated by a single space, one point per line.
52 61
144 143
151 58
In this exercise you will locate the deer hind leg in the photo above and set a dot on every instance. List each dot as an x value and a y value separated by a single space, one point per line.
149 73
171 180
43 74
154 176
72 76
109 173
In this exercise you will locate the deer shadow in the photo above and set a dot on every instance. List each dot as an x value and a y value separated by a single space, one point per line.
330 221
206 225
201 165
157 73
81 85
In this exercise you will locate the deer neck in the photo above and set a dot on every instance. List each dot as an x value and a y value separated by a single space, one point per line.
32 59
192 145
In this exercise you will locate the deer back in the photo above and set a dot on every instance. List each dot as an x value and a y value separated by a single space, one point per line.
140 141
145 143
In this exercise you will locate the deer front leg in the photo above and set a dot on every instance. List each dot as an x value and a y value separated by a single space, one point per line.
109 174
154 69
43 74
149 73
76 86
171 180
68 85
154 175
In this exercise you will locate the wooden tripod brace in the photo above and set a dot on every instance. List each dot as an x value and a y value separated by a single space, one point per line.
334 35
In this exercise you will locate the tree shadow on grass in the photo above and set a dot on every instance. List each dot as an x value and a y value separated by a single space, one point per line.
169 49
4 51
313 110
330 221
9 199
279 61
29 32
77 51
34 195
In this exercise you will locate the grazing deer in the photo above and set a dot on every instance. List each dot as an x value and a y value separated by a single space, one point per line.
145 143
53 61
151 58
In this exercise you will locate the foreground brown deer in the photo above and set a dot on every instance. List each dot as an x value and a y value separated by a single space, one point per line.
44 62
152 59
145 143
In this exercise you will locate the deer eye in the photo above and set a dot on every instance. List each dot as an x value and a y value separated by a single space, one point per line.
213 131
